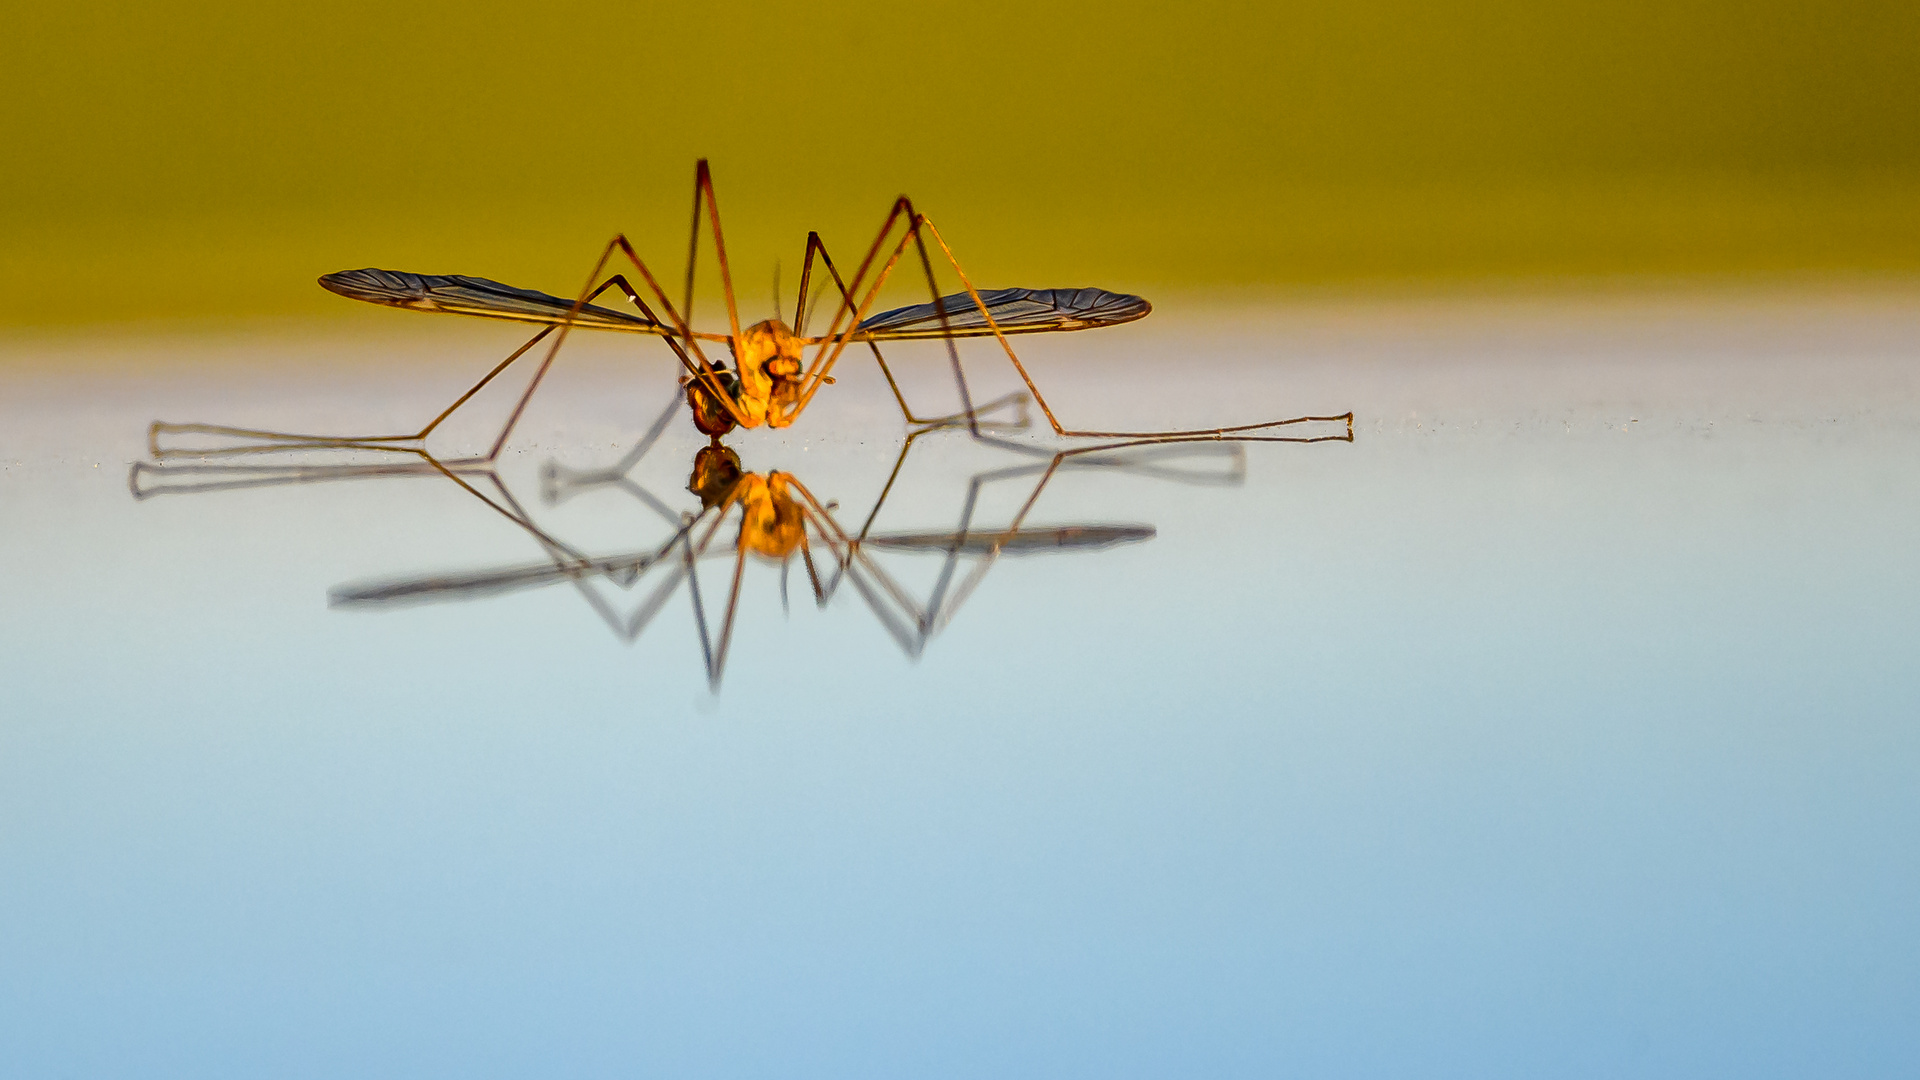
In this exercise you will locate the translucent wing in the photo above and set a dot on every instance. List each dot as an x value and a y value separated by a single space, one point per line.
1022 542
1015 311
622 570
461 295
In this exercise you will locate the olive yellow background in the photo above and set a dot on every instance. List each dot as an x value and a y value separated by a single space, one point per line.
210 159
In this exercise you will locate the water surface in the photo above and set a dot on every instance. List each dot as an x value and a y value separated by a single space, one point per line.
1560 723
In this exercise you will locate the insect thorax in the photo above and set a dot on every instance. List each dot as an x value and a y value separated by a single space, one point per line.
771 524
767 358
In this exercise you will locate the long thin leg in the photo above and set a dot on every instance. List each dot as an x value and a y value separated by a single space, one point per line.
838 338
922 222
726 623
806 281
939 617
513 512
840 570
643 615
848 554
286 440
699 368
813 575
716 663
703 184
146 480
265 440
587 291
943 605
558 481
703 371
834 342
703 195
1016 399
816 247
629 631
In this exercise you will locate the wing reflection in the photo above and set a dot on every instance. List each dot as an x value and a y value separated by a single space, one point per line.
737 516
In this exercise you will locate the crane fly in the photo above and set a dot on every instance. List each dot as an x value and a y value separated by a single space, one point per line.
772 369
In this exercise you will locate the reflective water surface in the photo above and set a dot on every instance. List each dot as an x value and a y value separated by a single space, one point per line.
1561 722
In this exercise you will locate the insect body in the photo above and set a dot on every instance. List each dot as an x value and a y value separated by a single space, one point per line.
767 359
772 524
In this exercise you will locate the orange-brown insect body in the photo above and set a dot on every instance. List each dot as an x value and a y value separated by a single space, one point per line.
764 385
771 525
716 469
767 359
771 522
709 415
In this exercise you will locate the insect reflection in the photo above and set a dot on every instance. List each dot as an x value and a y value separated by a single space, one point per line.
775 517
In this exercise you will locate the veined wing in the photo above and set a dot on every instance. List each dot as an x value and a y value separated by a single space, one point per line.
1015 311
1020 542
461 295
480 584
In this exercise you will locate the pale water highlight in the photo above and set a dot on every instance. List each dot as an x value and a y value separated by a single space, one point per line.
1560 723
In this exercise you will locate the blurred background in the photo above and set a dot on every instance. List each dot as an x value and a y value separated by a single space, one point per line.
1561 723
209 160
